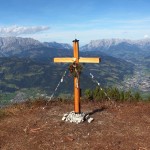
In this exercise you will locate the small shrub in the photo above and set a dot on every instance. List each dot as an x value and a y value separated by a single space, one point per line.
113 93
88 94
137 96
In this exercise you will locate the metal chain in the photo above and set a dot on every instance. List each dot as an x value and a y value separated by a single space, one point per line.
95 81
61 80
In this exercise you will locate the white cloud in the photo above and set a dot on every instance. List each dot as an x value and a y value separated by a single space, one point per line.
146 36
20 30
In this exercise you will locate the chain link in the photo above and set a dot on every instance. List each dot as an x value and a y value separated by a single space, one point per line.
61 80
95 81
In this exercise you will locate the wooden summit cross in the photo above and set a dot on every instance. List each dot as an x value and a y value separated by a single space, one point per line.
77 60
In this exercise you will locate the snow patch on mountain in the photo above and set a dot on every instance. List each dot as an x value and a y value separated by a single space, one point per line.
105 44
58 45
8 44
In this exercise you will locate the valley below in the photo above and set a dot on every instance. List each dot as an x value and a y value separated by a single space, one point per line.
140 80
27 69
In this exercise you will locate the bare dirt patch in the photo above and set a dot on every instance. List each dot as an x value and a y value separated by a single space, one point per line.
120 126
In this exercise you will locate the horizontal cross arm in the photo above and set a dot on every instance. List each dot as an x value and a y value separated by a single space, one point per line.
89 60
64 60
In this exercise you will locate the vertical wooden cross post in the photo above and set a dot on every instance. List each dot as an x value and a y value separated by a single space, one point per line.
77 60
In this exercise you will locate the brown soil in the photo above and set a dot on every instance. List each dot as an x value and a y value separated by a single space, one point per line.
120 126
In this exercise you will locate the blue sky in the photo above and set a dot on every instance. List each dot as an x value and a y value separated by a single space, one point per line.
63 20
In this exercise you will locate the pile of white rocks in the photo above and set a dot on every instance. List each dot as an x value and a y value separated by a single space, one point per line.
77 118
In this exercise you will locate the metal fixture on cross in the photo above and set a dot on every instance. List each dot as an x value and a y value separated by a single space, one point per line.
77 60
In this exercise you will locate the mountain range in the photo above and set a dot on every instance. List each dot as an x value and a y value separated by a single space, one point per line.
28 63
106 44
17 46
132 50
120 48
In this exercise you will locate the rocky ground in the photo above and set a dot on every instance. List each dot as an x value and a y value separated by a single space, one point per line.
116 126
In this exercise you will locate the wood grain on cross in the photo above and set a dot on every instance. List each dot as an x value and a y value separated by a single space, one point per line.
77 60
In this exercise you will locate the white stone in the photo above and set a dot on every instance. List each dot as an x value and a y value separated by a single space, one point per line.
64 118
65 115
76 118
87 116
90 120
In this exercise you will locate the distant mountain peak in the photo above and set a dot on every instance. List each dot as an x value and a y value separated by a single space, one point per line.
58 45
105 44
17 43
